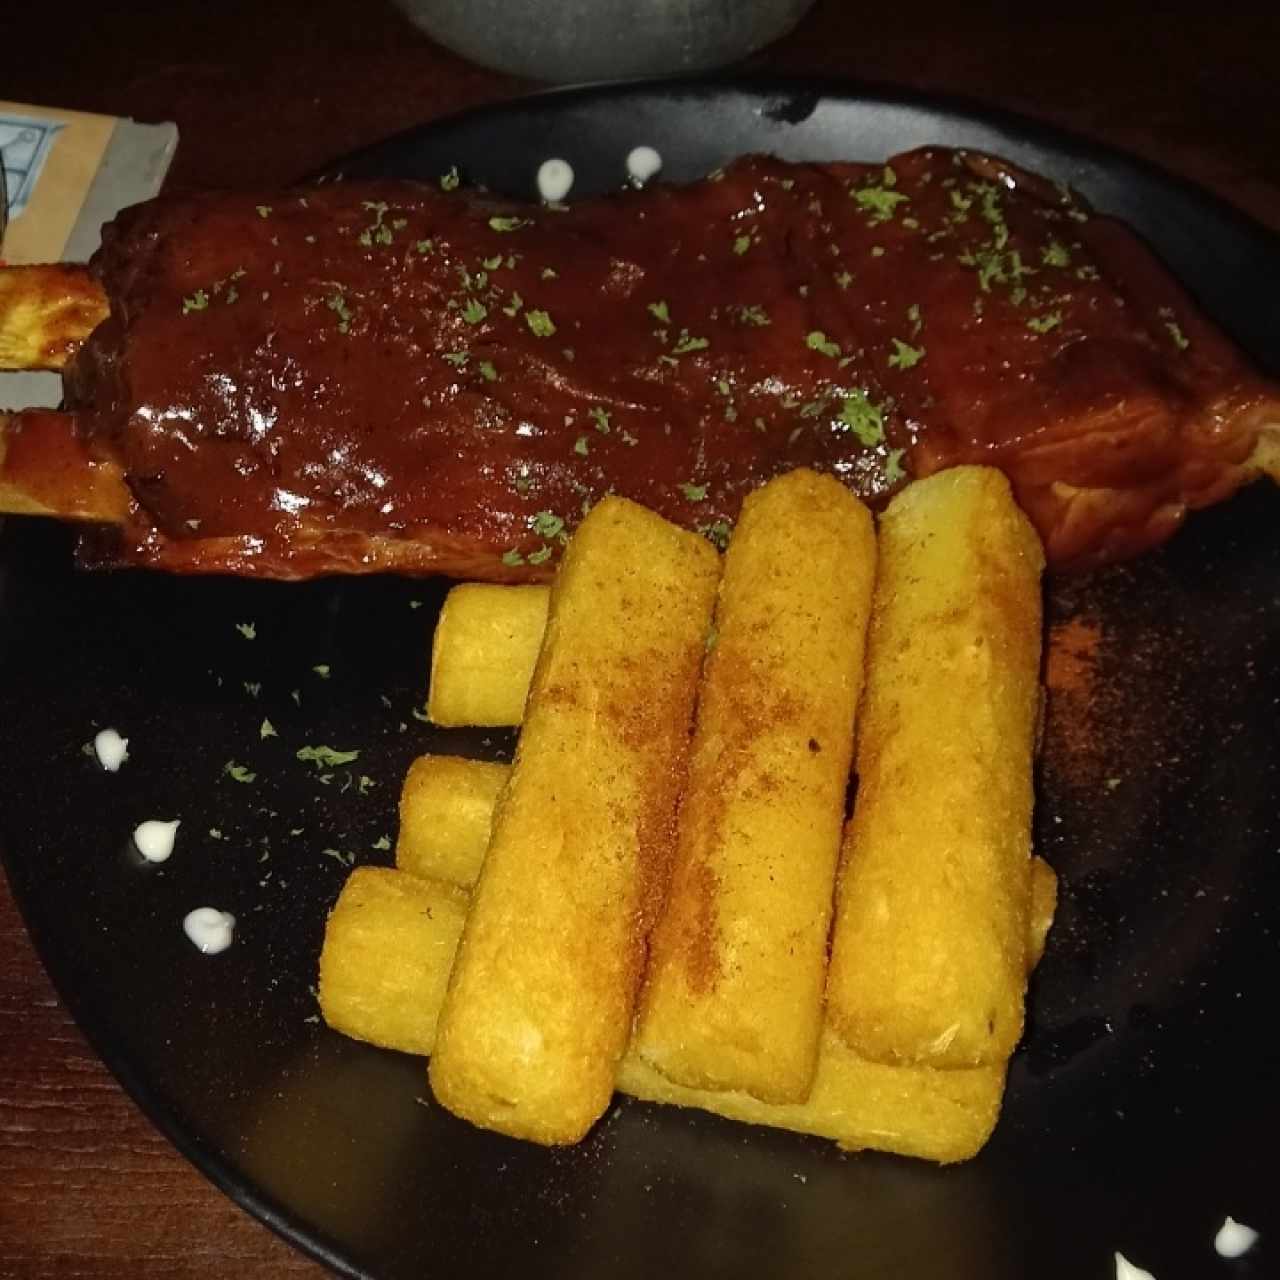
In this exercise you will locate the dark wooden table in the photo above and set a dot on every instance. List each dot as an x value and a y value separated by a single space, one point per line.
265 92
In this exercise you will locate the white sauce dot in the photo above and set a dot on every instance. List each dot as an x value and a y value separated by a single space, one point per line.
1125 1270
642 164
209 929
111 749
154 838
1234 1238
555 180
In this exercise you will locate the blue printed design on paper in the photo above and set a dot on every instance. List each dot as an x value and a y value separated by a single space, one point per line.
25 142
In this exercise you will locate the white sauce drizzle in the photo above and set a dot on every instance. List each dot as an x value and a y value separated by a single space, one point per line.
642 164
154 838
1234 1238
555 179
1125 1270
209 929
111 749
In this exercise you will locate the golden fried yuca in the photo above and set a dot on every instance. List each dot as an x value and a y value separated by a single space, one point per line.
446 812
388 948
928 961
914 1111
540 1002
483 653
1044 903
737 962
384 982
458 817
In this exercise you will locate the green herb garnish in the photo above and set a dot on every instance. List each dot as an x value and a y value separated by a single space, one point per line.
904 355
540 324
818 341
326 756
864 419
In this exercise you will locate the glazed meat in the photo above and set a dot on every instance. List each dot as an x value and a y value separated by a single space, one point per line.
394 376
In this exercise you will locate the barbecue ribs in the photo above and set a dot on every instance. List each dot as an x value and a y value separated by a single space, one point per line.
353 378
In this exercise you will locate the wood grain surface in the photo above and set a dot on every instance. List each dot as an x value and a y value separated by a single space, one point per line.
264 93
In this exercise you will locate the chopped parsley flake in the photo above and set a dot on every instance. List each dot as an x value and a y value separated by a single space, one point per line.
601 418
549 273
512 557
456 358
198 301
694 492
264 210
541 556
540 324
253 688
326 756
492 264
863 418
913 318
844 279
879 203
717 532
893 470
658 310
424 247
239 772
581 446
685 344
546 524
382 843
741 244
818 341
475 311
248 630
267 730
337 303
322 670
1180 339
512 308
904 355
1056 254
450 181
508 224
998 267
487 371
1042 324
376 230
753 315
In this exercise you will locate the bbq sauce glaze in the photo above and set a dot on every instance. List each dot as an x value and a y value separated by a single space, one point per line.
394 375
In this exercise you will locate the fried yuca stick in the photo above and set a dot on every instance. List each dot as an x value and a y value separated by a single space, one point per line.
541 998
912 1111
456 813
482 655
733 994
446 816
388 949
928 960
390 943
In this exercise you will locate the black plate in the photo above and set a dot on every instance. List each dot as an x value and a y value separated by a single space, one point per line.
1142 1107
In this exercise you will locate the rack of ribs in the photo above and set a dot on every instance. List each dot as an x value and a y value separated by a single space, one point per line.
390 376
